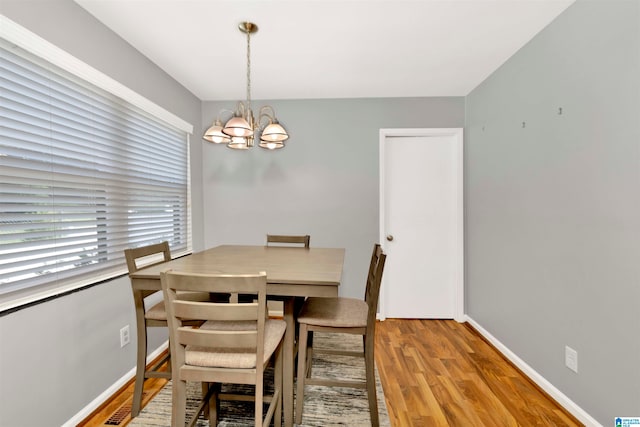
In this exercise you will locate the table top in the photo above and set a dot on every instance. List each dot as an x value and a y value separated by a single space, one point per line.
286 265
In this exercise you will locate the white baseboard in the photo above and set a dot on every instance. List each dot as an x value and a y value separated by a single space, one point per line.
105 395
545 385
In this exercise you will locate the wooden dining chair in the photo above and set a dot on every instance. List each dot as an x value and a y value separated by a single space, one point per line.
234 345
288 240
155 316
302 241
347 316
152 317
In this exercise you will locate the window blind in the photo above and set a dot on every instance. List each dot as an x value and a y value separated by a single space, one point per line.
84 175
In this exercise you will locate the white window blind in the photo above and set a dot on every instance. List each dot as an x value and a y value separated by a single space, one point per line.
83 175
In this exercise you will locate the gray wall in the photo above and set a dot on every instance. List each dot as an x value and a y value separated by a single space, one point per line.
553 209
324 182
56 357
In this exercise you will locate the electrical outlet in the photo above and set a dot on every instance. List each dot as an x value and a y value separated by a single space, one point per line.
125 336
571 359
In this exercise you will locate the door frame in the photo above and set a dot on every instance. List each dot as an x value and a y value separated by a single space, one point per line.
457 138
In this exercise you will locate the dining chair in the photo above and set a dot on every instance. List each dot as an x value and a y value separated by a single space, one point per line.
302 241
288 240
346 316
152 317
234 345
155 316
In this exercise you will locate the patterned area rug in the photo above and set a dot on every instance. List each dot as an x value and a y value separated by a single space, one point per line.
323 406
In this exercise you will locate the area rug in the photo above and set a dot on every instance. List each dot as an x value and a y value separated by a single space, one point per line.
323 406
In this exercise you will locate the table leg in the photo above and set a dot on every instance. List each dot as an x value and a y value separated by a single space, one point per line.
289 339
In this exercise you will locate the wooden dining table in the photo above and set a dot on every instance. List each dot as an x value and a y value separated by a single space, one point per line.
291 272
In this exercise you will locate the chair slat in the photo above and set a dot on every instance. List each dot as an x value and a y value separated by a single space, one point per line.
218 339
224 283
215 311
278 238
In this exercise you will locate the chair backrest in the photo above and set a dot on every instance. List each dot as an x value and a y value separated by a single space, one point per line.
154 254
146 256
374 279
375 255
298 240
232 326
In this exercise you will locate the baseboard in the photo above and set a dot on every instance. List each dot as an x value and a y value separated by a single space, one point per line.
534 376
108 393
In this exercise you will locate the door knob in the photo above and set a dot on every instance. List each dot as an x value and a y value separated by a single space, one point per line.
389 237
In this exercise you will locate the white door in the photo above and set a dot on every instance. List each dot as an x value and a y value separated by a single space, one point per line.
421 223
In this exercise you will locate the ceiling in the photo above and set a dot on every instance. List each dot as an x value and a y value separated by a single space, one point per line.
307 49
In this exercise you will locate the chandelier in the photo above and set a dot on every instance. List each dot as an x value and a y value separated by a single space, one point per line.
240 130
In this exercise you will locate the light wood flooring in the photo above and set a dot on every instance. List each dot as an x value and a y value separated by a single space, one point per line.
434 373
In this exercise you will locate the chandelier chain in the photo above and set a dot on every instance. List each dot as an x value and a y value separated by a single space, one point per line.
249 69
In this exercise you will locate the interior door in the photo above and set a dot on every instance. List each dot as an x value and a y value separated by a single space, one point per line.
421 223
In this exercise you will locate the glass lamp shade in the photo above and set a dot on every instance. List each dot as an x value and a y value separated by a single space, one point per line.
240 143
271 145
238 126
214 134
274 132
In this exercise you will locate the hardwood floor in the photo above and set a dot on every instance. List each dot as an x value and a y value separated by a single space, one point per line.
435 373
443 373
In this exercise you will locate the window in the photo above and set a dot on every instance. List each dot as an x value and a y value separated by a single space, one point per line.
84 174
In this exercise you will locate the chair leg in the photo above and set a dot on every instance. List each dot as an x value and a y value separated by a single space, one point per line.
302 371
141 366
277 421
179 399
259 421
205 389
169 358
371 380
309 366
298 302
214 404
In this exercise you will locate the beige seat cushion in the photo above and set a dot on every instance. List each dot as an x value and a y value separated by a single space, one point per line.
334 312
157 312
232 358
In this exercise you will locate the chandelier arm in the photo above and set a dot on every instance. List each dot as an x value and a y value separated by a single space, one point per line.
241 110
219 117
266 112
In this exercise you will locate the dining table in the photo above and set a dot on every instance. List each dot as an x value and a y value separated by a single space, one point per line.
291 272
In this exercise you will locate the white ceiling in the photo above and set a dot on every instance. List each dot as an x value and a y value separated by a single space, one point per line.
328 48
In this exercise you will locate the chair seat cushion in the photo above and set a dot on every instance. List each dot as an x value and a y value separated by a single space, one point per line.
334 312
157 312
232 358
